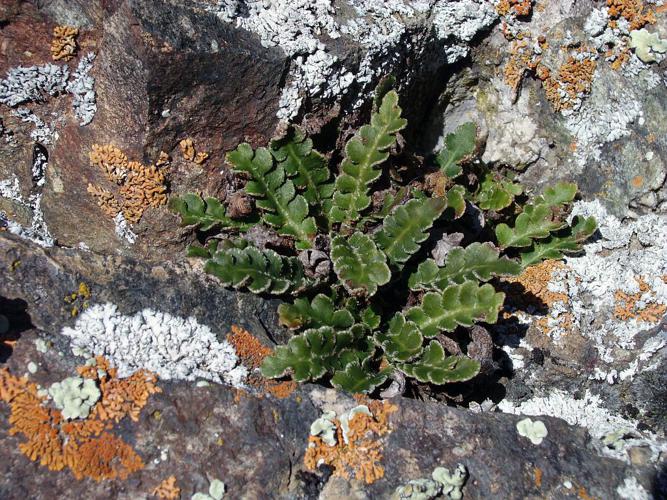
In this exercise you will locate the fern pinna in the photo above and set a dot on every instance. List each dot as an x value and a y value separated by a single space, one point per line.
368 298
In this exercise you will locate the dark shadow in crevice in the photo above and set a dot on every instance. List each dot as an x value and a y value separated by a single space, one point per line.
14 320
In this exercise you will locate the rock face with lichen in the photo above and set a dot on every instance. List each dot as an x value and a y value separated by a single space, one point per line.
108 108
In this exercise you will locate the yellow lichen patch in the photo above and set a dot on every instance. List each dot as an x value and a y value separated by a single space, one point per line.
517 7
634 11
252 352
84 446
190 153
574 79
522 60
362 455
167 489
141 186
628 306
78 299
63 44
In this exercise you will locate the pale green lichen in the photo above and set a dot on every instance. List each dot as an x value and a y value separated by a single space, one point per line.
75 396
216 491
32 367
325 428
647 44
349 415
443 484
536 431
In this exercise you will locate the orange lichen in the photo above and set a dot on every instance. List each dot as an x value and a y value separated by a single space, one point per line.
141 186
167 489
534 285
84 446
252 352
522 60
637 181
518 7
627 305
188 149
63 44
634 11
538 477
362 454
574 78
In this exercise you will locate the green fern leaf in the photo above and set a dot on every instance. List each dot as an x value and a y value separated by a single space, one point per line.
308 356
407 227
437 368
458 145
456 305
358 377
561 193
477 261
556 246
368 148
536 221
275 193
320 312
260 271
306 166
402 341
456 201
496 193
359 264
205 213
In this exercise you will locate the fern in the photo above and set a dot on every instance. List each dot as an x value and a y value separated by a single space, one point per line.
407 227
358 377
458 146
496 193
275 193
206 213
320 312
359 264
306 166
367 149
477 261
260 271
346 333
456 305
402 341
437 368
556 246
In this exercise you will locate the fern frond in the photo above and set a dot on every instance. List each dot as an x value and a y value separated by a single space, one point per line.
205 213
477 261
402 341
496 193
307 168
538 219
556 246
321 311
283 208
437 368
456 305
359 377
260 271
458 145
359 264
407 227
368 148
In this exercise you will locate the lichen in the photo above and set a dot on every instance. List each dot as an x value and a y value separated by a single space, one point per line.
216 491
534 430
252 353
84 445
361 453
167 489
647 45
170 346
441 484
63 43
82 88
141 187
75 396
